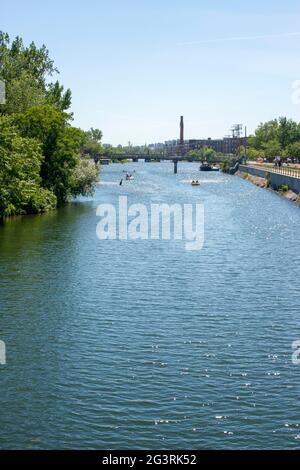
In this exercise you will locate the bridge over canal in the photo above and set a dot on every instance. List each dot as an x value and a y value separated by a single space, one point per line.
148 158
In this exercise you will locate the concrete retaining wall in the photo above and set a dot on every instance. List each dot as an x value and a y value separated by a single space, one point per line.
276 179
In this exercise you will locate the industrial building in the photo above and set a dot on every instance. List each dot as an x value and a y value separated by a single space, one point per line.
227 145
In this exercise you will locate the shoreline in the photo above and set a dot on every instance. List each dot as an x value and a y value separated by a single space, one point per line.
264 184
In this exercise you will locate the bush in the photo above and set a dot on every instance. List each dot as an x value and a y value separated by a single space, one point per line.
20 163
84 178
283 188
60 144
42 200
225 167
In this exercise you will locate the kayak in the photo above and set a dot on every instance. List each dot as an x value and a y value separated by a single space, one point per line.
195 183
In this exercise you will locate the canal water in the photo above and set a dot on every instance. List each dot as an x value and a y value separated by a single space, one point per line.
142 344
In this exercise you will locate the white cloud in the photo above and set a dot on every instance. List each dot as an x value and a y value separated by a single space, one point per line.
241 38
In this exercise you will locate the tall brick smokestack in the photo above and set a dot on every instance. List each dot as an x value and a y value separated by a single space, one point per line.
181 131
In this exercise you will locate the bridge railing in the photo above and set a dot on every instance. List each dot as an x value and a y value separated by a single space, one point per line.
282 170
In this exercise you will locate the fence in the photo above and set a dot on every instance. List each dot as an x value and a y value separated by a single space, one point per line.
281 170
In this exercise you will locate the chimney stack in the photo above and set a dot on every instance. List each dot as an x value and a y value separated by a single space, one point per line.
181 131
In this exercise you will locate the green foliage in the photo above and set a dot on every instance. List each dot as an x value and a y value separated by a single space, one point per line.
93 149
92 144
252 153
43 123
20 162
94 135
283 188
25 71
277 137
21 94
293 150
204 154
42 200
113 152
84 178
225 166
264 133
61 146
288 132
272 149
40 164
57 97
196 154
15 59
61 164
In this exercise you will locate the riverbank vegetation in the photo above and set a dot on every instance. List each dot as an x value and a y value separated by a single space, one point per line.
205 154
278 137
44 161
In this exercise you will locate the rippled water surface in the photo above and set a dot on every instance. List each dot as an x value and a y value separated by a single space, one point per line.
142 344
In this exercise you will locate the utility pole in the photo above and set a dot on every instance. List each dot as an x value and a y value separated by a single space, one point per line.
237 130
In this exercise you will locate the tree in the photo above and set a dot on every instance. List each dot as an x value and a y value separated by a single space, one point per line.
252 153
275 137
263 134
195 154
293 150
22 93
15 59
25 71
57 97
272 148
20 162
61 145
92 144
204 154
40 164
93 149
43 123
288 132
209 154
225 166
95 135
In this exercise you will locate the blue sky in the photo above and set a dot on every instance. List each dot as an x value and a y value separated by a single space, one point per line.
135 66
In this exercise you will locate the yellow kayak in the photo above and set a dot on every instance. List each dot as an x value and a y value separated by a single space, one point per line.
195 183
